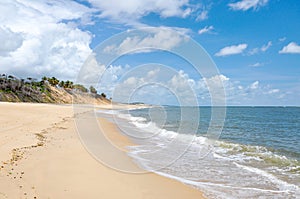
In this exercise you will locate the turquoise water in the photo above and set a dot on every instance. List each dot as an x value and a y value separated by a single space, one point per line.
256 156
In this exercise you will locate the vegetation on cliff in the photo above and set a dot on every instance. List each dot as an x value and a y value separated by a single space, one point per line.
46 90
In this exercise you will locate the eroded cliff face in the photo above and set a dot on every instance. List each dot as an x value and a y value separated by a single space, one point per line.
16 90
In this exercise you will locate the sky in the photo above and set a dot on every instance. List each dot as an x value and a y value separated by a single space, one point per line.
255 45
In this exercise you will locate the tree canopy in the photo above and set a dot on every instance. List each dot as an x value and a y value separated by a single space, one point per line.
93 90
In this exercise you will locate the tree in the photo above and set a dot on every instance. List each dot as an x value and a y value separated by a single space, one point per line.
61 84
44 79
103 95
69 84
53 81
93 90
11 77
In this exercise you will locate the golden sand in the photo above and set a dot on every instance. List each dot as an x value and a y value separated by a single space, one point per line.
41 156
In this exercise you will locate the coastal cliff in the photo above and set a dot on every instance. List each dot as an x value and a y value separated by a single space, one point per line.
47 90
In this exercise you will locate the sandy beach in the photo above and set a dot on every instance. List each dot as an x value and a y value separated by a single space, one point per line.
41 156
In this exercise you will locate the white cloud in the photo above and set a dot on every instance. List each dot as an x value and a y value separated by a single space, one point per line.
103 78
160 38
216 79
254 51
182 86
236 93
110 78
202 16
254 85
9 40
282 39
91 71
248 4
257 64
292 48
232 50
266 46
130 11
181 81
160 85
42 38
206 29
272 91
154 84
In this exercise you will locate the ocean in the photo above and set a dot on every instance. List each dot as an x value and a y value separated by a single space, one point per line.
257 155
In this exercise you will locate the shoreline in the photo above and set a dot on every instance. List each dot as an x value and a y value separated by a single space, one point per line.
42 157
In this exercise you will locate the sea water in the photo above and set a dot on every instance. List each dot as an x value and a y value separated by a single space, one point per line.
257 154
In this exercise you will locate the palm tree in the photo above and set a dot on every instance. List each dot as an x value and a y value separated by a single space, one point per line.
53 81
69 84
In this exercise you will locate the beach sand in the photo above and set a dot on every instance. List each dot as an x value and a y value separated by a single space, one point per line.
41 156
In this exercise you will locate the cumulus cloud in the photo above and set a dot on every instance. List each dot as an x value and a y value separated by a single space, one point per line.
158 85
91 71
129 85
103 78
292 48
236 93
206 29
232 50
43 38
183 87
154 84
248 4
130 11
160 38
10 41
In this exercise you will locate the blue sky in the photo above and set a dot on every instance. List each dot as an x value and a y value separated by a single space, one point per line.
254 43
